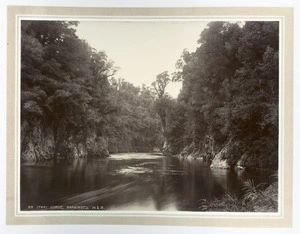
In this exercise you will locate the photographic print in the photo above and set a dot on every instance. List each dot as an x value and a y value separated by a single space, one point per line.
150 115
93 139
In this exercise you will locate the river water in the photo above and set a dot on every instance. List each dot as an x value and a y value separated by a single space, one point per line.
134 181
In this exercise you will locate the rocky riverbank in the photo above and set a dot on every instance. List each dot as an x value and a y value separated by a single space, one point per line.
38 144
234 154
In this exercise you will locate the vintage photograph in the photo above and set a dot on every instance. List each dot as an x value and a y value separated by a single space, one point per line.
149 115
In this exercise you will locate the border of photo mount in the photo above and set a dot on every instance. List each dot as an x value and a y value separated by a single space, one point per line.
221 219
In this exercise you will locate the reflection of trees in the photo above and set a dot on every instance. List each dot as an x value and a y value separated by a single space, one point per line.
227 181
76 176
183 181
196 183
159 194
162 191
34 188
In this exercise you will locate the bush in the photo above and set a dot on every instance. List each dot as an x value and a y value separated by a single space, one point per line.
256 198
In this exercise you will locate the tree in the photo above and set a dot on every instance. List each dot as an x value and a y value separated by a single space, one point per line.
162 80
134 127
64 85
230 91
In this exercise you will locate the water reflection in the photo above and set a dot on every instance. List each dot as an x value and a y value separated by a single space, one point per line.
128 182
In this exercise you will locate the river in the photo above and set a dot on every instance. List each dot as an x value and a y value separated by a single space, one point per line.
133 181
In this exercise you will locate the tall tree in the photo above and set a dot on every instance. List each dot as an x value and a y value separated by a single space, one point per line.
60 86
230 91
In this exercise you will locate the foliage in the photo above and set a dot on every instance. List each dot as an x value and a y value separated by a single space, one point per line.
229 94
135 127
256 198
161 83
69 91
228 203
230 90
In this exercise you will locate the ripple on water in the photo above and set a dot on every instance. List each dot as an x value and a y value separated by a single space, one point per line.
130 156
172 172
134 170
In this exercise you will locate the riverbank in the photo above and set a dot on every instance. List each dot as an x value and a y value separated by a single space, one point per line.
260 198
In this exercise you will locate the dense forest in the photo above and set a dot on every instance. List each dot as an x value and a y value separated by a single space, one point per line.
72 104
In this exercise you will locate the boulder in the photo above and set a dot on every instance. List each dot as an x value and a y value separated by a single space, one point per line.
37 144
97 146
241 163
166 150
219 160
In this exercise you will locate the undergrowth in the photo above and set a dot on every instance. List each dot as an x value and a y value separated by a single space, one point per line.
256 198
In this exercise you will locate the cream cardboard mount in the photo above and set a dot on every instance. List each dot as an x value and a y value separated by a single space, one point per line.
283 218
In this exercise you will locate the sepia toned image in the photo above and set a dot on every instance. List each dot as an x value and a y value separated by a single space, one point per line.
149 116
